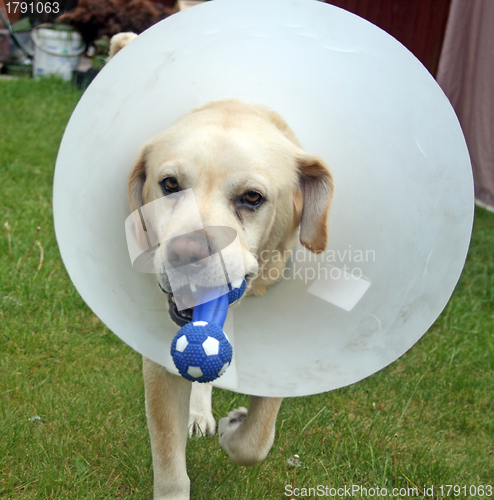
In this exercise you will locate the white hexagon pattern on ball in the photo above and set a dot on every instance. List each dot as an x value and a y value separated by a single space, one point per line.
182 343
211 346
195 371
223 369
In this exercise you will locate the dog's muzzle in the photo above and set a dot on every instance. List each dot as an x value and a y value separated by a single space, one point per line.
197 267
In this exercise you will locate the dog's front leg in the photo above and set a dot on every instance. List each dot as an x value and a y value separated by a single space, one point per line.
247 436
167 409
201 420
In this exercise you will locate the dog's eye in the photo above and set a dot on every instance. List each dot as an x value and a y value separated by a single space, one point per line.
252 198
170 185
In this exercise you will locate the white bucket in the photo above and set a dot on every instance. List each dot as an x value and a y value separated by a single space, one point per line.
57 51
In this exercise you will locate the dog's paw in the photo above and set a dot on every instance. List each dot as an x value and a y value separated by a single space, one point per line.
201 424
246 443
229 424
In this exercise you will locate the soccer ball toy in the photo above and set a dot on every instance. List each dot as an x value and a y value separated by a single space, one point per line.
200 350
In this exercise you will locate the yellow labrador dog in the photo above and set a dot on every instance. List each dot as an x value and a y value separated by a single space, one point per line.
247 172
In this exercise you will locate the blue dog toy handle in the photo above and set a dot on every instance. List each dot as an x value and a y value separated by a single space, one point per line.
214 311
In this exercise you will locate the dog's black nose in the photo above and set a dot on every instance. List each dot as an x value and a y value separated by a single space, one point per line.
197 246
191 248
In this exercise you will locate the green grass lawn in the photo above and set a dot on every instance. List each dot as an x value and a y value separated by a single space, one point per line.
425 420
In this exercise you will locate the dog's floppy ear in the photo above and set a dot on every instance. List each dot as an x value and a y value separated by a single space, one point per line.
316 185
137 178
135 186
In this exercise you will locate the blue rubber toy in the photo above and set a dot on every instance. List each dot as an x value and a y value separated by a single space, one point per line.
200 350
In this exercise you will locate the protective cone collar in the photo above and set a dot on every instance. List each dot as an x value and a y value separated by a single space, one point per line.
402 214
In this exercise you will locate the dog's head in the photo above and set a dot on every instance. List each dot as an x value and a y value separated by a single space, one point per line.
249 178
